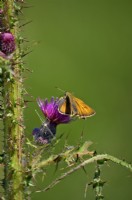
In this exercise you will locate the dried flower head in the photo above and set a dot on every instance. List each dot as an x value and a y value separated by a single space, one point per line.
45 133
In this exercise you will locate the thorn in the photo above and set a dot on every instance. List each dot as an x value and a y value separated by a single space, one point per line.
57 160
83 168
23 55
17 63
82 134
24 40
21 125
25 24
27 6
19 10
26 102
29 70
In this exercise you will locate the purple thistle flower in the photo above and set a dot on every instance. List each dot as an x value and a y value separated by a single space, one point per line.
7 43
47 131
50 111
1 11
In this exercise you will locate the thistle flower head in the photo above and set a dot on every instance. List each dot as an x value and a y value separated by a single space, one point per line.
45 133
7 43
1 11
50 111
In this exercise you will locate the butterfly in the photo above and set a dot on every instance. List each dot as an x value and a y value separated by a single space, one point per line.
71 105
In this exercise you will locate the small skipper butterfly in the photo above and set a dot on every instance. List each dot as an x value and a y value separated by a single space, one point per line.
73 106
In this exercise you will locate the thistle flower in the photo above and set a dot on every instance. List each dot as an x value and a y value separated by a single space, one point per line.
7 43
1 11
50 111
47 131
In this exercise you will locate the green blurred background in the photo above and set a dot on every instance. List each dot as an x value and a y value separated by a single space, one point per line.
84 47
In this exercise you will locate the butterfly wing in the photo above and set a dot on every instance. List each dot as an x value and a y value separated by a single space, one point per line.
83 110
64 105
73 106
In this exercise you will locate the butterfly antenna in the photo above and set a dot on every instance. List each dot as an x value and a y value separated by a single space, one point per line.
60 89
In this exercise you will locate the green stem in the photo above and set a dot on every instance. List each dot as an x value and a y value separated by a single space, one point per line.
103 157
12 92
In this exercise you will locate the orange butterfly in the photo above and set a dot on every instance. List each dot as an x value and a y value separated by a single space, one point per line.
73 106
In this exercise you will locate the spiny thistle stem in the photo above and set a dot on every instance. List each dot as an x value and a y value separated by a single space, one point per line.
13 103
103 157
